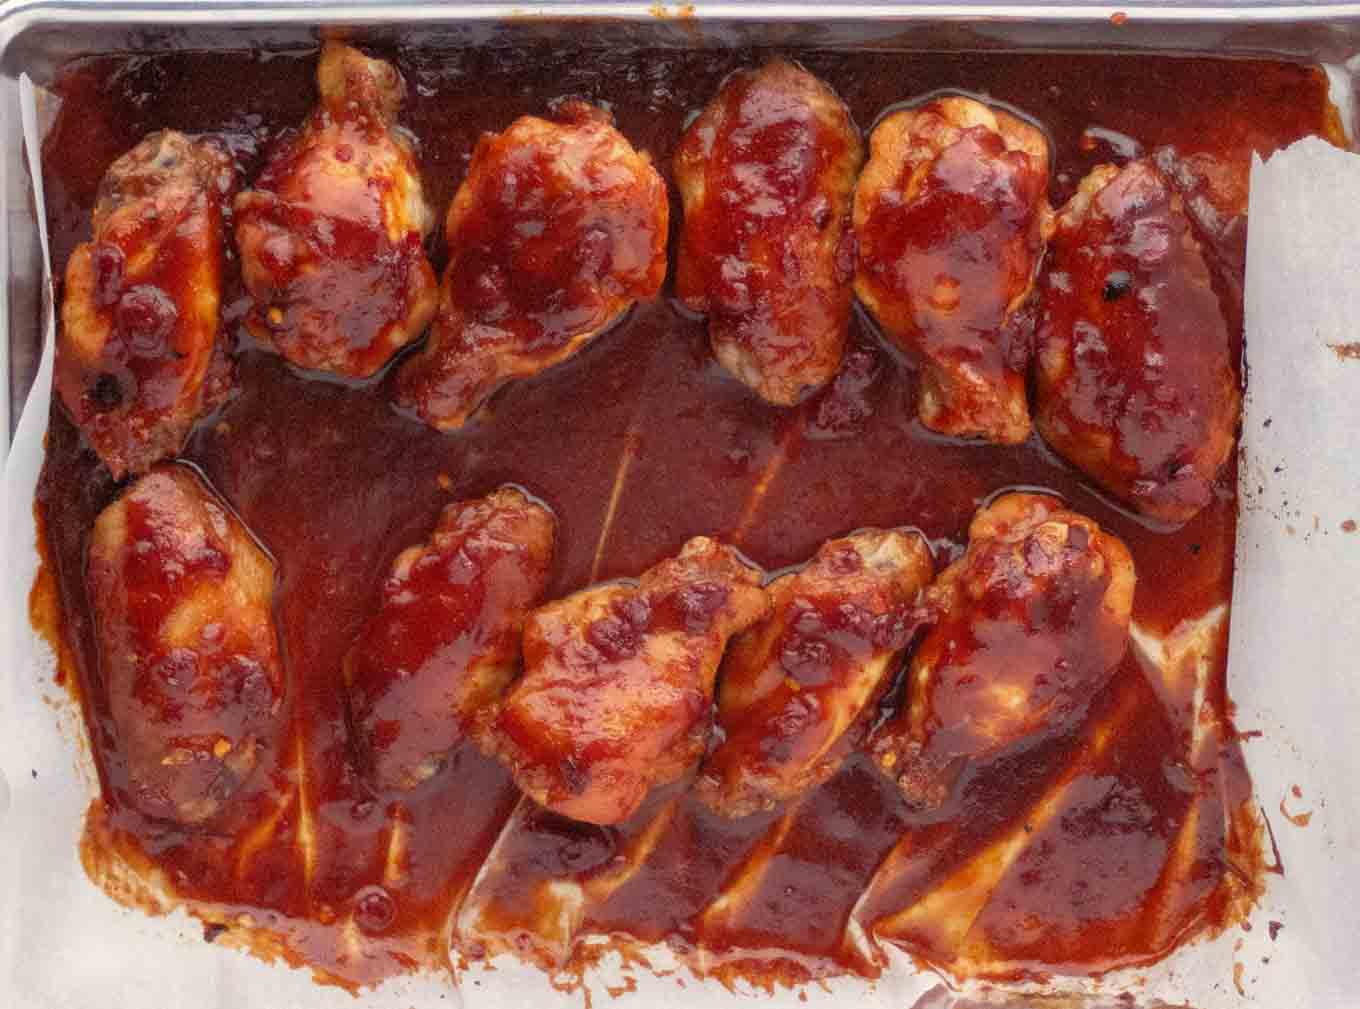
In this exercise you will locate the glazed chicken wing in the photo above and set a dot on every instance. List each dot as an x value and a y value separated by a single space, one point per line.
951 217
445 639
188 651
1135 378
793 688
766 174
138 357
617 691
1214 190
331 237
558 228
1032 621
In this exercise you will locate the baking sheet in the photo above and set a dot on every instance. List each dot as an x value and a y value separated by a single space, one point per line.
63 943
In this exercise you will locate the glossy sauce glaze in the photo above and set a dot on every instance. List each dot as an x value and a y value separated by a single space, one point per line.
187 644
1030 624
331 236
766 250
796 688
1130 313
958 250
445 636
951 216
558 228
616 695
144 296
639 443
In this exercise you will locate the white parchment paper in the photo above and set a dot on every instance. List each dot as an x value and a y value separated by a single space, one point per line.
1294 646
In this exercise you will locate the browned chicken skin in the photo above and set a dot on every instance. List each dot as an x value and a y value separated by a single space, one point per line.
1135 377
1214 191
138 356
559 226
331 237
1032 620
793 688
766 174
188 650
951 216
445 639
617 691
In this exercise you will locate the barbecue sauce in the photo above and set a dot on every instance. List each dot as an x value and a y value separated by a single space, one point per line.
638 443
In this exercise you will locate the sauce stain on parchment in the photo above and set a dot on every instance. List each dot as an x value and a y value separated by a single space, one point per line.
1297 819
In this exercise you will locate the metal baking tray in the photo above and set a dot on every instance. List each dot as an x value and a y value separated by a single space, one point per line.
38 36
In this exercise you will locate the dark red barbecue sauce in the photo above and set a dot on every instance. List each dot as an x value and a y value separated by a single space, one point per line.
335 483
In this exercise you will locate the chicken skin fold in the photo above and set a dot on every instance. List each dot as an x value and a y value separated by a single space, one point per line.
558 228
332 236
1031 622
766 174
445 639
951 219
139 356
188 650
616 696
1135 377
794 688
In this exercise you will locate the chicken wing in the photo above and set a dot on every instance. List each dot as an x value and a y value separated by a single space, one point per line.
331 237
558 228
1214 191
951 217
188 651
138 357
794 687
617 691
1032 621
766 174
445 639
1135 378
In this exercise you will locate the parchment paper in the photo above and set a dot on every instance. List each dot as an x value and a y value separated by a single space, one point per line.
1294 644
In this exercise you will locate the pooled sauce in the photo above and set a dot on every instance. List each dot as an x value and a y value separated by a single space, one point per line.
638 443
